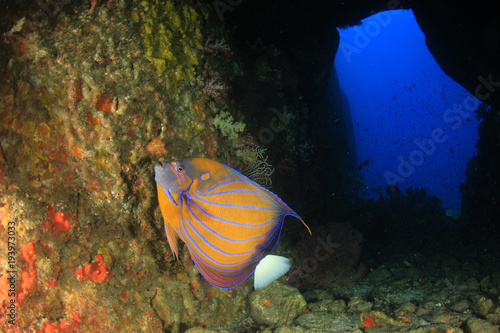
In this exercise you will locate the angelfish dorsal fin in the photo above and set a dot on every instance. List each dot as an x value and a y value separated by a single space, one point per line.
269 269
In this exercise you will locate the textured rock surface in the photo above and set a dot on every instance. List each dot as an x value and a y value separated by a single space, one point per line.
322 321
276 304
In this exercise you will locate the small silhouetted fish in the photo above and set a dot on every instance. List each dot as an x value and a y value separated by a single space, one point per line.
365 163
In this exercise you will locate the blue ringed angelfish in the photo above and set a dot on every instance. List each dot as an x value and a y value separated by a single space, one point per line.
229 223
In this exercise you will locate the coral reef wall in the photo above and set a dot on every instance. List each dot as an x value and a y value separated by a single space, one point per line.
91 98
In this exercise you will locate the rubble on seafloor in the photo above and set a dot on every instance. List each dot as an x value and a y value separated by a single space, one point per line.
90 100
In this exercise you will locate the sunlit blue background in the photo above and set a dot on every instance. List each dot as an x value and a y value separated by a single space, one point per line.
398 95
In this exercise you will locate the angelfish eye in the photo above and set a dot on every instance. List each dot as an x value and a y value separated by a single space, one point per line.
180 168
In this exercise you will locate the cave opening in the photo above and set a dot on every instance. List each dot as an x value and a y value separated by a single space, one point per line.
410 125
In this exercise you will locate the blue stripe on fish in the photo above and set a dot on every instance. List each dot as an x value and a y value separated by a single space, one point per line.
219 235
191 243
258 191
235 206
217 249
231 222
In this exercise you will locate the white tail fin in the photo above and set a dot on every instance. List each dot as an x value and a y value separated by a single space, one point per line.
269 269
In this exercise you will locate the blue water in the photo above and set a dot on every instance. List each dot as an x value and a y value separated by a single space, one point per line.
413 125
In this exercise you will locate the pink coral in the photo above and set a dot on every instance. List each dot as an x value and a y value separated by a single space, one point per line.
64 326
215 47
28 253
97 272
215 89
59 222
156 147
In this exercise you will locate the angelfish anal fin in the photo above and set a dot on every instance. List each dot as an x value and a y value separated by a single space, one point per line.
269 269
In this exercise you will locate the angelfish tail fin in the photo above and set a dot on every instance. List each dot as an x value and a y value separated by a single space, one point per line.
269 269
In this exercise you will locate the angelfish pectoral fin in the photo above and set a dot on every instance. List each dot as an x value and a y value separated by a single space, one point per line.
172 240
169 195
269 269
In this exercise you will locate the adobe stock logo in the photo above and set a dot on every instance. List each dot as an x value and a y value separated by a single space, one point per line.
369 30
456 117
276 125
322 252
223 6
486 84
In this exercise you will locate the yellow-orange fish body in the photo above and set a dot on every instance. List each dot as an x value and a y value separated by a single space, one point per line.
229 222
